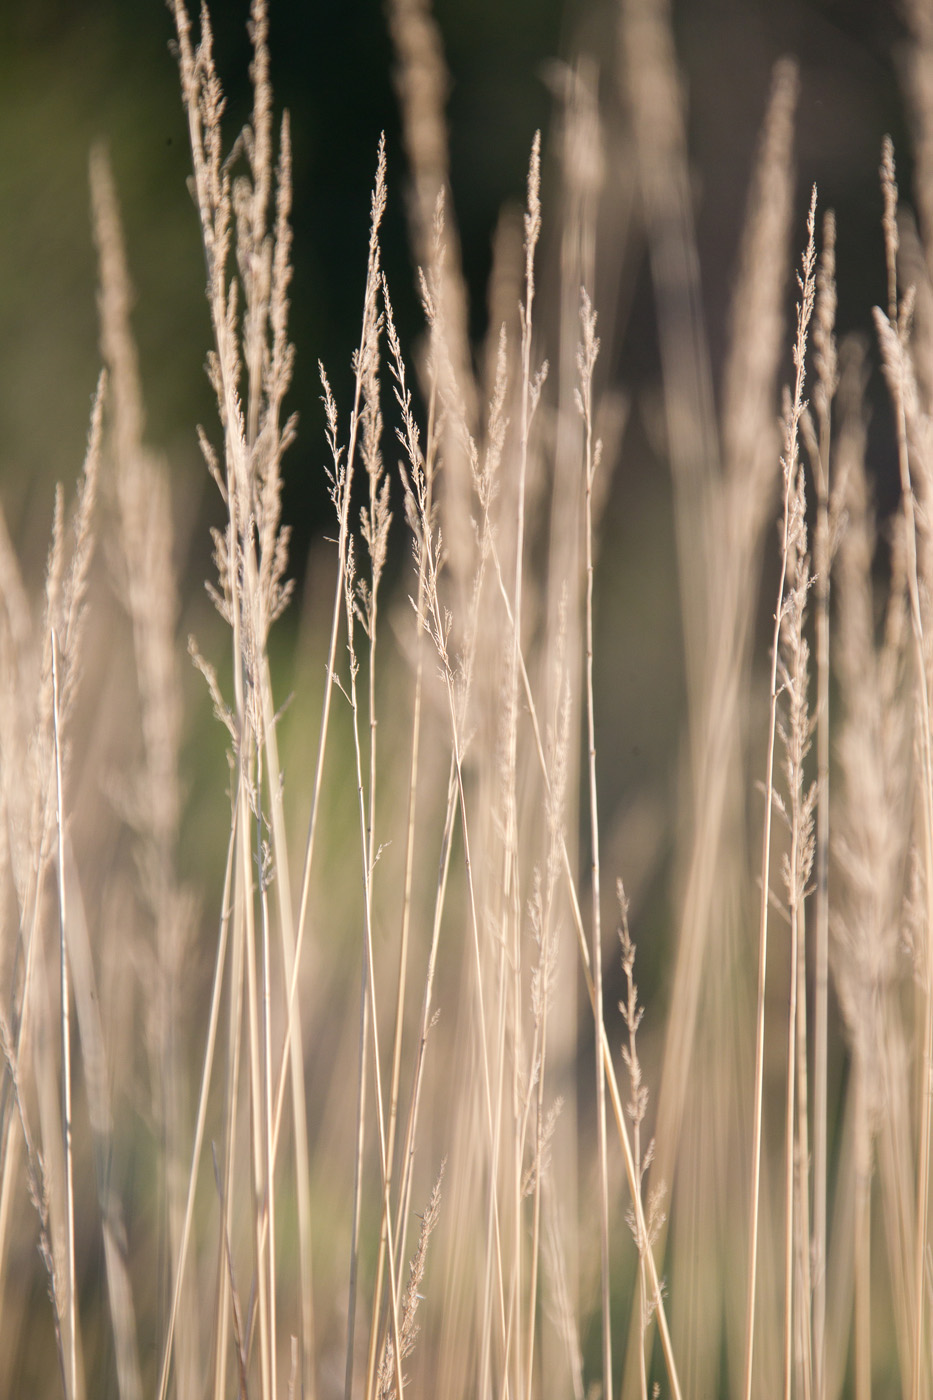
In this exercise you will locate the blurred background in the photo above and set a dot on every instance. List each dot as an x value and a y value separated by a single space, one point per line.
75 72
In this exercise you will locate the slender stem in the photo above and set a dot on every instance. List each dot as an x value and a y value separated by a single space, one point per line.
244 882
589 468
231 1092
789 1141
821 998
362 1054
440 899
268 1142
801 1170
762 972
210 1043
65 989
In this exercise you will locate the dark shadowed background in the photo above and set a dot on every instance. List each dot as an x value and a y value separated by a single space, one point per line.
73 72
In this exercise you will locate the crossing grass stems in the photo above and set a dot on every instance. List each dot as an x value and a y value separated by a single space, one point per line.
361 1157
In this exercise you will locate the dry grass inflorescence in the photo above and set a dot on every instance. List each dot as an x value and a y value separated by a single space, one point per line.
363 1117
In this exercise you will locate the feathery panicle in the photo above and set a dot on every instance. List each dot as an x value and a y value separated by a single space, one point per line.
646 1225
387 1377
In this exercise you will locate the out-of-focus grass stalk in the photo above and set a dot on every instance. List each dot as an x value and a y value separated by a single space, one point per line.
71 1286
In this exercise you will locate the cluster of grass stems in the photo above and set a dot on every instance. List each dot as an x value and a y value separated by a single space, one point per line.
393 1093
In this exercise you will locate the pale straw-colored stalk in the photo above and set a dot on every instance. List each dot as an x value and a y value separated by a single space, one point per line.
792 421
71 1286
586 360
825 361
